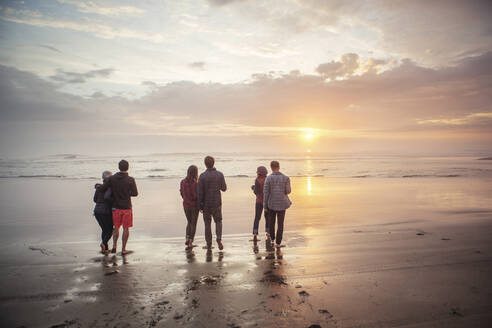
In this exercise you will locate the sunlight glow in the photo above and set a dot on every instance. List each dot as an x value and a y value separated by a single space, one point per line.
308 136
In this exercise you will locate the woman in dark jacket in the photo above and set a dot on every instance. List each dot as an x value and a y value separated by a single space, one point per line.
261 172
188 189
103 213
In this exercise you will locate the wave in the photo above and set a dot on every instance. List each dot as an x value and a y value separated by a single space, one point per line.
361 176
157 176
485 159
41 176
158 170
238 176
431 176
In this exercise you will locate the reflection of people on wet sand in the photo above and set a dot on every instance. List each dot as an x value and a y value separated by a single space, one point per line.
123 187
209 256
102 213
276 201
262 172
188 190
210 185
190 255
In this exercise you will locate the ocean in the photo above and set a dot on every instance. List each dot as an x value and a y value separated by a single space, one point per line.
174 165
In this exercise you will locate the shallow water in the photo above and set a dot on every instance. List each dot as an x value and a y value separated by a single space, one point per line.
37 211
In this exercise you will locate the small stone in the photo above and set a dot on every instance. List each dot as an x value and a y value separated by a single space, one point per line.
323 311
298 286
303 293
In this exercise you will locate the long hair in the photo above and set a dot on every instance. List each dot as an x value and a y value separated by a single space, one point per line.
192 173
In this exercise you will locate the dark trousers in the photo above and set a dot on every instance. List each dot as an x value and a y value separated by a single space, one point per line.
272 217
258 211
216 213
192 218
106 223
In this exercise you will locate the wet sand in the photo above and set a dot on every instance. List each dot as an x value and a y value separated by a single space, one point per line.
425 263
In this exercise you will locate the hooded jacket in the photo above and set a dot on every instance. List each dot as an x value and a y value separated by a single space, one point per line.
123 187
103 200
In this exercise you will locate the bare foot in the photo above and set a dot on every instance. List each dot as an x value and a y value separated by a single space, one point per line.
219 243
113 250
103 248
126 252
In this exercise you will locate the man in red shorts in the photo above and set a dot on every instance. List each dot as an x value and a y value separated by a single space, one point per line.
123 187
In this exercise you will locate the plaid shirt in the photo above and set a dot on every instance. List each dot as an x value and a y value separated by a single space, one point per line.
210 183
277 187
188 192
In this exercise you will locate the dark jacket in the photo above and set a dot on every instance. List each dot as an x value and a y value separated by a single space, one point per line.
188 189
123 187
103 200
258 188
210 183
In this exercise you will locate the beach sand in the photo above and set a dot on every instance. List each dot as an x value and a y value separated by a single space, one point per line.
358 253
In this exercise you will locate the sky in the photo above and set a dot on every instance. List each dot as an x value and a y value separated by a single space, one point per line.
137 77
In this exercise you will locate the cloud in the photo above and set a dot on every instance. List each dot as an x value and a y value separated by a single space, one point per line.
93 8
99 30
405 101
73 77
26 97
51 48
431 32
150 84
199 65
345 67
222 2
475 118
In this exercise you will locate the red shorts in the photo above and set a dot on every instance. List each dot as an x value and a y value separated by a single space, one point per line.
122 218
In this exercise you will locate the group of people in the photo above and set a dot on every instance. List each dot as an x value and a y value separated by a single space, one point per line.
201 194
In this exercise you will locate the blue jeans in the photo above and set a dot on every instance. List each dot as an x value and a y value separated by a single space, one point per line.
258 211
106 223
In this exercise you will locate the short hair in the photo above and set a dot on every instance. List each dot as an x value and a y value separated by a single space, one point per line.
123 165
192 173
106 174
209 162
274 165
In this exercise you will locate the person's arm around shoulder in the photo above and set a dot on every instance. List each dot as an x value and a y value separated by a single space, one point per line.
223 185
107 184
266 193
287 186
133 188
